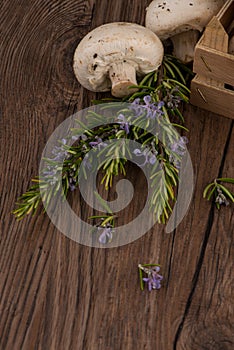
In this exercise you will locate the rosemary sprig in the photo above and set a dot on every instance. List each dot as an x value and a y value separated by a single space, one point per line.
218 192
164 90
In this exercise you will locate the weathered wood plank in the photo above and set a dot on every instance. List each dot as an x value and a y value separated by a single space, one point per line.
56 294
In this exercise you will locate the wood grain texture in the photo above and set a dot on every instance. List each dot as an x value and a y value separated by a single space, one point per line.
56 294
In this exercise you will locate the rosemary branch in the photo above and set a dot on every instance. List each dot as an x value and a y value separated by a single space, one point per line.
219 192
160 94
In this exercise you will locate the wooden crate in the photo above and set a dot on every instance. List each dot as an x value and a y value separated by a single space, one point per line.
214 67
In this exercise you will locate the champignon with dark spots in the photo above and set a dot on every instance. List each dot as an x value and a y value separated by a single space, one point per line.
127 49
180 24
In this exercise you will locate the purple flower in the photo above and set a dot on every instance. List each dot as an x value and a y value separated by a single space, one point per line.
157 109
154 279
136 107
136 101
147 100
79 138
50 171
150 157
49 174
72 183
86 162
124 124
98 144
221 199
75 138
59 152
153 109
150 109
172 100
106 235
179 148
152 283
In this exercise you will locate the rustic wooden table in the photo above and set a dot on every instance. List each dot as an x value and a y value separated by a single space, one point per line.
57 294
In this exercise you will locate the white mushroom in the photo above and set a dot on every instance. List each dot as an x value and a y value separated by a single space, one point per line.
182 21
110 56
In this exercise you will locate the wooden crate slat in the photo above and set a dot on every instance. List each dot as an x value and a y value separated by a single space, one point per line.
214 37
214 66
213 98
225 15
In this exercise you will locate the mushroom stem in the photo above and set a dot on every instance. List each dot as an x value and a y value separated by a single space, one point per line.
122 76
184 45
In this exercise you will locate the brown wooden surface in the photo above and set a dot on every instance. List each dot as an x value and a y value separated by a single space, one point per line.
56 294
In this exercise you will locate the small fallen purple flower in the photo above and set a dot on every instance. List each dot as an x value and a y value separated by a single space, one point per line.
154 279
152 283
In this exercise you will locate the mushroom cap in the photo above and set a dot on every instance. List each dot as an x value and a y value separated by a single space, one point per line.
171 17
112 43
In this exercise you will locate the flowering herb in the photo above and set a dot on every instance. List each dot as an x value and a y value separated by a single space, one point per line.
158 98
220 193
153 279
105 227
106 234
